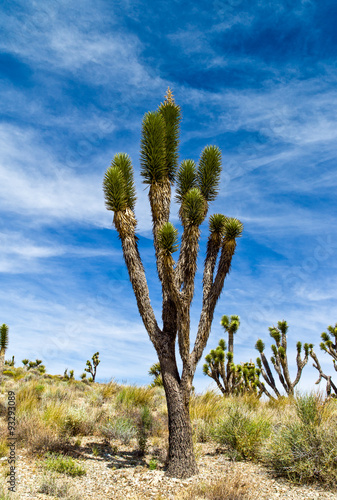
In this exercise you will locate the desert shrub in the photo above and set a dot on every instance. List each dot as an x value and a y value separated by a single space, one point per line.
202 430
131 396
28 396
37 437
305 449
233 486
77 421
51 485
57 393
122 428
109 390
207 406
63 465
54 413
242 431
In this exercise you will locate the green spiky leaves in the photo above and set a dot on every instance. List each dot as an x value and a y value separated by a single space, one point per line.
217 224
260 346
186 179
230 324
275 334
118 184
233 229
193 207
171 113
209 170
168 238
152 148
4 336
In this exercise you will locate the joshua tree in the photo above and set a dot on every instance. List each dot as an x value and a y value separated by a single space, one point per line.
280 360
155 371
236 379
197 186
91 368
10 362
331 348
3 346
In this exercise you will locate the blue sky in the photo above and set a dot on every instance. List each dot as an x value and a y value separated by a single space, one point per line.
257 78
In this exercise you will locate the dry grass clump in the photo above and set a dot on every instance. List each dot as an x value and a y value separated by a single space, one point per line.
233 486
38 437
55 486
131 396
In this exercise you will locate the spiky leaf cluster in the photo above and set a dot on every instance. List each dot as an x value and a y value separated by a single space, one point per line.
275 334
209 170
217 224
186 179
168 238
152 148
230 324
122 162
118 184
328 345
233 229
171 113
260 346
4 336
193 207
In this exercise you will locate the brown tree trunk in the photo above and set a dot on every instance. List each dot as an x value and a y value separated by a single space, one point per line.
181 459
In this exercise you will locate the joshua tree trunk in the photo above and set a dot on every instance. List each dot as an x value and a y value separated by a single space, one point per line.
181 459
2 362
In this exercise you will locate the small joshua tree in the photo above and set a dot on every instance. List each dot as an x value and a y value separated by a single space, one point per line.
10 362
236 379
91 368
329 346
197 186
155 371
3 346
280 361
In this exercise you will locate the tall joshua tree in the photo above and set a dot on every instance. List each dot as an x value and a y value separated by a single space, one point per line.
280 361
196 187
329 346
3 347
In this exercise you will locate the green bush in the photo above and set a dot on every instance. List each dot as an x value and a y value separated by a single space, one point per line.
64 465
122 428
76 422
242 431
305 449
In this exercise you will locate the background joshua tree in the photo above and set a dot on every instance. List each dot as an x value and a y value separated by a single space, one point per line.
3 346
155 371
280 360
197 186
331 348
92 368
10 362
236 379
